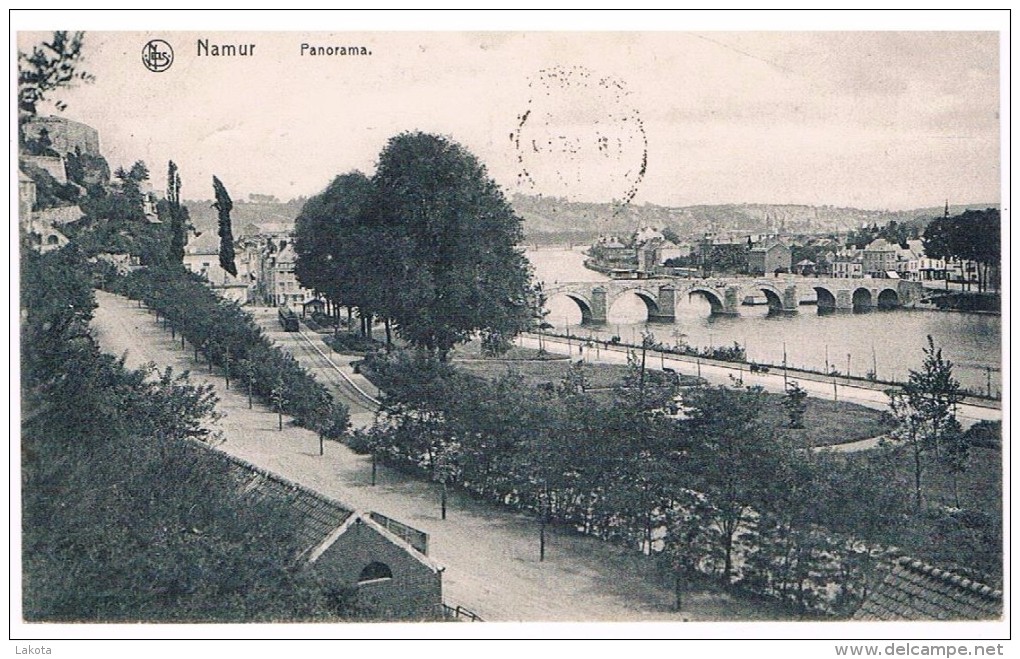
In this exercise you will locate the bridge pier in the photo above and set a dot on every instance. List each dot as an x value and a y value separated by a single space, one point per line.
731 301
666 303
599 307
844 300
791 299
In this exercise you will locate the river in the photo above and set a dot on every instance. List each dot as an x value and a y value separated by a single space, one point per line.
887 342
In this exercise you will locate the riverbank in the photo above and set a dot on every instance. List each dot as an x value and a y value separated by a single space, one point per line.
865 393
790 372
965 301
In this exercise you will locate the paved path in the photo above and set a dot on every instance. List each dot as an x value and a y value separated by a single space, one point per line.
491 555
721 373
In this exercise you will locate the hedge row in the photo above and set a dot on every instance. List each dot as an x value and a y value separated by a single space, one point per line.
228 337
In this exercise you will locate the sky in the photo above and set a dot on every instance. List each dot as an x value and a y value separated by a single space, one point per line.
877 120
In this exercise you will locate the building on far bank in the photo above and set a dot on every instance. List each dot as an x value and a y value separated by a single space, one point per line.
769 257
655 252
202 256
281 286
879 258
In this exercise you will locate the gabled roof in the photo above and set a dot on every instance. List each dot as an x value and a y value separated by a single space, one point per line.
767 246
323 519
881 245
912 590
319 515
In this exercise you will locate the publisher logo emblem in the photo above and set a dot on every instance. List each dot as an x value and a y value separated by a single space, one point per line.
157 55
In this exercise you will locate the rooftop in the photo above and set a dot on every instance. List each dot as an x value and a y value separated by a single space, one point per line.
912 590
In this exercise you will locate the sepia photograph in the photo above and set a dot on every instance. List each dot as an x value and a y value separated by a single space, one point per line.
682 328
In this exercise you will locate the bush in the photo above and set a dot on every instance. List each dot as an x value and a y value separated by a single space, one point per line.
353 343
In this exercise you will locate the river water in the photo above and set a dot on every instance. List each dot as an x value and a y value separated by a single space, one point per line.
888 342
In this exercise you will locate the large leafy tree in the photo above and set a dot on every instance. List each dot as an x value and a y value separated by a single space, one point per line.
449 239
971 236
733 458
336 252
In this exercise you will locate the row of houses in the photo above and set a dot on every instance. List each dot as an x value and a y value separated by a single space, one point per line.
265 260
884 259
649 252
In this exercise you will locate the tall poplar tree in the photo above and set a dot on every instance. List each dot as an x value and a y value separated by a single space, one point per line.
178 219
223 207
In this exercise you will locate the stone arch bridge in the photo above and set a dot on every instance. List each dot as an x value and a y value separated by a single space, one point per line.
725 295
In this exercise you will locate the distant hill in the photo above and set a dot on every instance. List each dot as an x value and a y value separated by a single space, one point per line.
552 220
204 217
548 219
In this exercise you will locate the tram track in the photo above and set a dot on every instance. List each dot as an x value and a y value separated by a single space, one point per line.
348 391
303 347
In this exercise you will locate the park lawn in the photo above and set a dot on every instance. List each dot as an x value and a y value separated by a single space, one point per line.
827 422
472 350
535 373
980 485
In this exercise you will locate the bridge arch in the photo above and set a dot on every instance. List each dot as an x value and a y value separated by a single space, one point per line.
862 299
713 297
888 298
826 298
650 299
772 294
583 303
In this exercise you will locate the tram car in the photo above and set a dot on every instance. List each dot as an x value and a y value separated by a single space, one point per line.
288 320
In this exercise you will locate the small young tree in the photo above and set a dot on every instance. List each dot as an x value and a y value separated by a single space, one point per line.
445 470
278 395
247 370
795 403
955 455
908 431
933 393
926 414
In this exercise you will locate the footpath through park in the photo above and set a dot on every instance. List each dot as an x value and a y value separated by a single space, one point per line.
490 554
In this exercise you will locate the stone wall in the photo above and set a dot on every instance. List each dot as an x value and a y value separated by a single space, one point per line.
415 591
52 165
65 135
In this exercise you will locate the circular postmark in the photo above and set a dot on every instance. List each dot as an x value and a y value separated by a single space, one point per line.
157 55
580 138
